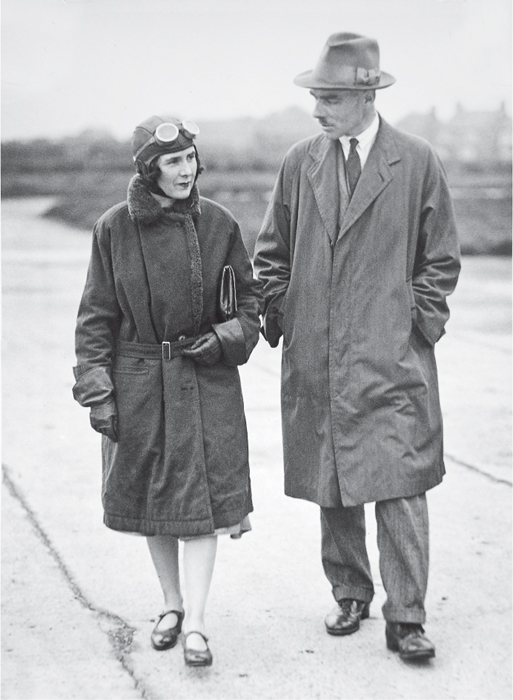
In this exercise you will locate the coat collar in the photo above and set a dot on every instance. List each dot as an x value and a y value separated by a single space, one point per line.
144 208
374 178
323 178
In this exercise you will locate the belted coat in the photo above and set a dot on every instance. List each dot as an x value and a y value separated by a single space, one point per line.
180 465
359 294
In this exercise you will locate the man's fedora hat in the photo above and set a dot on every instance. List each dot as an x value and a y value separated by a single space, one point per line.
347 62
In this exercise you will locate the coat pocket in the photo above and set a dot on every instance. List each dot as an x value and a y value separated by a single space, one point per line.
411 298
129 365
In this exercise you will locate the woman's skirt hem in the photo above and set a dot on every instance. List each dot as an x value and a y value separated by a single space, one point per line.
182 530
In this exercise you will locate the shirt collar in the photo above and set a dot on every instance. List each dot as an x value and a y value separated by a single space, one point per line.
366 138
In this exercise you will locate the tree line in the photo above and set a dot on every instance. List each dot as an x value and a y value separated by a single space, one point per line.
102 152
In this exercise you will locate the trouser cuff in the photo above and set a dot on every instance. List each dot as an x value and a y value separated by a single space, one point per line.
363 594
412 615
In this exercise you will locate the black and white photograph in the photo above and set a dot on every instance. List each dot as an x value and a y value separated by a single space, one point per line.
256 350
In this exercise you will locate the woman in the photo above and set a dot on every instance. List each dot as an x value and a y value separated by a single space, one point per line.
157 367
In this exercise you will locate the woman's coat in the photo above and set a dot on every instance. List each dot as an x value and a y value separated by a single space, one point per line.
180 465
361 300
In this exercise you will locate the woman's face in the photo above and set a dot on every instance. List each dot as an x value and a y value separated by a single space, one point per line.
177 173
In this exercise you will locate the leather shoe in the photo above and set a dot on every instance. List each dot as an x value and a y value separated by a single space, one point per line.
345 618
162 639
195 657
409 640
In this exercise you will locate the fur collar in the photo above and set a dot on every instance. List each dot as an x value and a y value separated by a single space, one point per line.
144 208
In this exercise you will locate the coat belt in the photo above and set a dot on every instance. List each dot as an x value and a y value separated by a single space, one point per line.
165 350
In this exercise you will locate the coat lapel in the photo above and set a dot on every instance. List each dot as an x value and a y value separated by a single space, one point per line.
374 178
323 178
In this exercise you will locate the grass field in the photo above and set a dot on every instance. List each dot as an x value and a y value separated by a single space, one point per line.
482 204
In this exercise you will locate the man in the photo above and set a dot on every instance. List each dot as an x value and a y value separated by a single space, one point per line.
358 252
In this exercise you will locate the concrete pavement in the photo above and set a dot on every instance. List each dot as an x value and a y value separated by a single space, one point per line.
78 600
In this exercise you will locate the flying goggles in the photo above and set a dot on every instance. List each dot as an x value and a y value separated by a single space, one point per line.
167 133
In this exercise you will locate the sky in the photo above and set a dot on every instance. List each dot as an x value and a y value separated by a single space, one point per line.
71 65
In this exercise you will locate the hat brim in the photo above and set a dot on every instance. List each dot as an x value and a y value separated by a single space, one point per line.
307 80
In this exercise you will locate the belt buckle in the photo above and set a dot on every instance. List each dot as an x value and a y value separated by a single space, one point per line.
166 350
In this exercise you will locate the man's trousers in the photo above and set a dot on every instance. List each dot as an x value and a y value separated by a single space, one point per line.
403 543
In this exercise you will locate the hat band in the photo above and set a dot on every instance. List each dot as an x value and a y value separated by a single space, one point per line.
348 75
366 76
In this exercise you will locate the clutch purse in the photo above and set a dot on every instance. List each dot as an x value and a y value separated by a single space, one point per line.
227 294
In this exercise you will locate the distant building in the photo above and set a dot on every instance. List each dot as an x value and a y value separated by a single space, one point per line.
468 137
481 136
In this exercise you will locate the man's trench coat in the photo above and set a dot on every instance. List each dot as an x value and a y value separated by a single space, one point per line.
360 301
180 465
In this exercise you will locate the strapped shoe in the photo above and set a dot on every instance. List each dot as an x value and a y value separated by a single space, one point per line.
345 618
195 657
409 640
162 639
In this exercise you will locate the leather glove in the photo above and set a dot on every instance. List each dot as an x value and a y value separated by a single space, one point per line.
104 419
206 350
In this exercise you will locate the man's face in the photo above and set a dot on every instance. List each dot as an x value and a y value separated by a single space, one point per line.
342 112
177 173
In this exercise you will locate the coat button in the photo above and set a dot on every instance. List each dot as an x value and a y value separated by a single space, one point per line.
182 337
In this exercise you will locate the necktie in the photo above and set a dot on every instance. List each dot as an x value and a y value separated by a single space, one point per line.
353 165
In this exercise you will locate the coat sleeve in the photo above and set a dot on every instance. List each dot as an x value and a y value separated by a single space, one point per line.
240 335
97 325
437 256
272 256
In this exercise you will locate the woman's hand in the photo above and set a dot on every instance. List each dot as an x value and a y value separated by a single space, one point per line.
206 350
104 419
